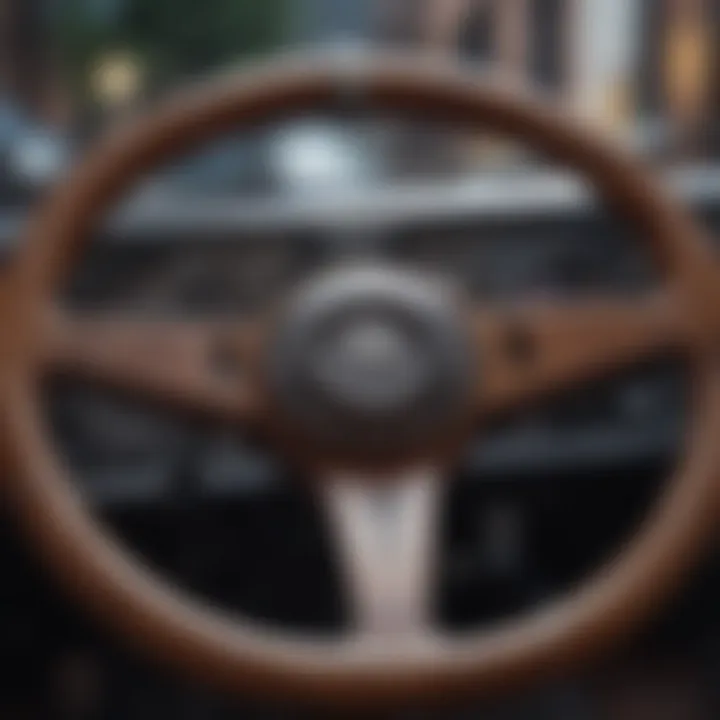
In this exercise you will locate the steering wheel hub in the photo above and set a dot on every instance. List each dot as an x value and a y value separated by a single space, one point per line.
372 359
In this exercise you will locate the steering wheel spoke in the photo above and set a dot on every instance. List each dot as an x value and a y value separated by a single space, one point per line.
199 366
532 350
385 535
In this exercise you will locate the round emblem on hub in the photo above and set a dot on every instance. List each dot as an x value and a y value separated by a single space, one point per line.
371 365
371 360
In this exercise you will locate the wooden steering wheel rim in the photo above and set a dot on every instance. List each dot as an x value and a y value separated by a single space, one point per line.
205 644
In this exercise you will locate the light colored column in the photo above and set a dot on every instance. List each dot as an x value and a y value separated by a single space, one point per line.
603 39
442 22
512 39
687 68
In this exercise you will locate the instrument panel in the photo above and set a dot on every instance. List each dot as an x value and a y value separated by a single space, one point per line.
495 264
248 273
219 277
633 418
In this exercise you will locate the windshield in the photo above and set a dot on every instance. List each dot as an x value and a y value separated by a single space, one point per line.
645 71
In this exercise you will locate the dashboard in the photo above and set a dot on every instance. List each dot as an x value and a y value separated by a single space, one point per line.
217 260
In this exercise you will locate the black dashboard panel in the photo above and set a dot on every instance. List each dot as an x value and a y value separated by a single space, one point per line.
513 236
498 263
634 418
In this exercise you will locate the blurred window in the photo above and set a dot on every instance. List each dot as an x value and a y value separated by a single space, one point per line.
646 70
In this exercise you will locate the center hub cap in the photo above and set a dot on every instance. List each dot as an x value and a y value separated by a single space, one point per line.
371 360
371 366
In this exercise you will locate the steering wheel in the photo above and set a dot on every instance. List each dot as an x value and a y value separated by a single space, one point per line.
370 377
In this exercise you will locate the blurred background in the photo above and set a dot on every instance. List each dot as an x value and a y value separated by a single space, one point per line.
538 501
643 70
